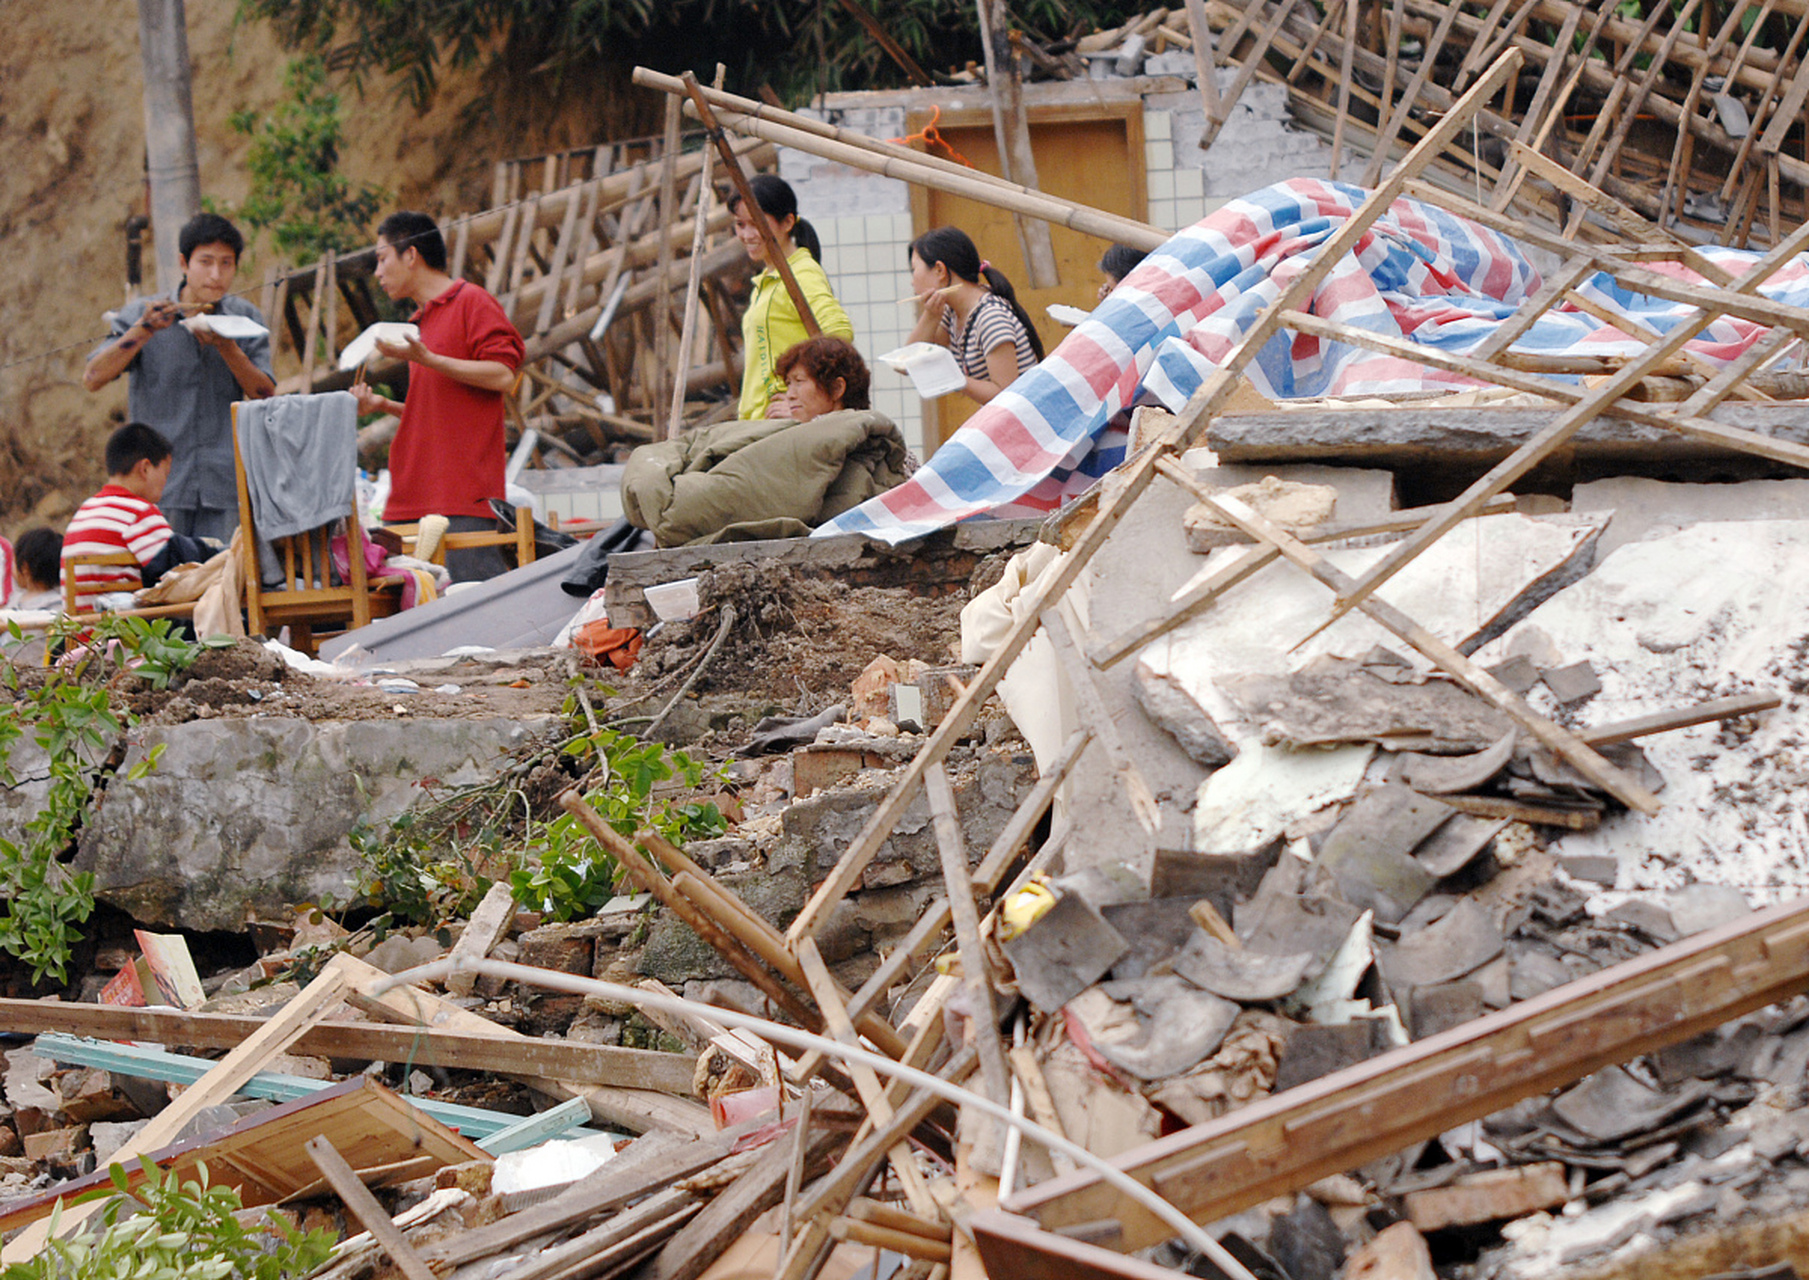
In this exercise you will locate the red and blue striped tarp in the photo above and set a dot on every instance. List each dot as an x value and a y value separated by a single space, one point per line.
1419 273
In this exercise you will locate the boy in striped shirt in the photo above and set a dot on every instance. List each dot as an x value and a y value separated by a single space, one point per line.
124 516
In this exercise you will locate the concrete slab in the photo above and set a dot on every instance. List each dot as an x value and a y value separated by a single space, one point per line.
1460 439
241 819
522 608
1704 612
1642 507
1476 581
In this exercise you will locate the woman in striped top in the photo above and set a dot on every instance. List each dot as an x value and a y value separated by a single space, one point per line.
970 308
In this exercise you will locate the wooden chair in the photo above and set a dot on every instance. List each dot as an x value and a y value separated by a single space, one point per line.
521 537
75 592
309 601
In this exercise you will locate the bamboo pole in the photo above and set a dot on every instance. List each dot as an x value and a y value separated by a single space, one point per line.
730 105
694 286
899 162
1011 129
662 305
775 257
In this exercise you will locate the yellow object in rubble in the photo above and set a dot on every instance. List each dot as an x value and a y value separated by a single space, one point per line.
1025 907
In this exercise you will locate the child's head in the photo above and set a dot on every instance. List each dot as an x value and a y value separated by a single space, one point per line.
39 552
138 458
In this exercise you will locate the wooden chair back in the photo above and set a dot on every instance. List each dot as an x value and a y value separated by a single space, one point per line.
309 600
78 594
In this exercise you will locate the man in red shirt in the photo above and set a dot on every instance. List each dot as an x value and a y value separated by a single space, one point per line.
448 456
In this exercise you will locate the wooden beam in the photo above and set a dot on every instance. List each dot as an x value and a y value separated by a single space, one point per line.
995 1075
1744 704
363 1206
219 1084
1285 1142
785 129
569 1060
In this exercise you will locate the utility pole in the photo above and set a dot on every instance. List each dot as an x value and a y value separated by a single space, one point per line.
169 129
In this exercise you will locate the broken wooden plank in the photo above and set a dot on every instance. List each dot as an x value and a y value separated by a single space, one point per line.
634 1109
363 1206
647 1164
835 1190
1285 1142
262 1155
486 927
994 1074
698 1244
625 1236
873 1095
225 1078
1014 1246
570 1060
1744 704
1520 811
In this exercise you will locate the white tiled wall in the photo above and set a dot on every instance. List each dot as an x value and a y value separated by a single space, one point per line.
864 220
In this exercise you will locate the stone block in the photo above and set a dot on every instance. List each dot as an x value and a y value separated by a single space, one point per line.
886 909
1489 1196
57 1145
110 1136
675 955
816 831
563 948
242 817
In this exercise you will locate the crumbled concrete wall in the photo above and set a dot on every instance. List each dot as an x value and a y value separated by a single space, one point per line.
243 818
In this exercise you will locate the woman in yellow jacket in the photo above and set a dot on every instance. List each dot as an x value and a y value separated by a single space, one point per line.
771 325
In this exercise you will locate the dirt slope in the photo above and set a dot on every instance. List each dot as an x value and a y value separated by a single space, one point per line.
72 138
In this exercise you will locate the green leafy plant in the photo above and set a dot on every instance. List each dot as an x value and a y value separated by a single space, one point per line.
569 875
67 711
550 44
436 860
297 192
167 1229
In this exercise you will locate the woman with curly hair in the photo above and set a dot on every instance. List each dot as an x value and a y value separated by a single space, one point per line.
820 375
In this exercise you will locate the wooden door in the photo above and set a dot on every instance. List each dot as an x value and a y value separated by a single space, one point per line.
1091 154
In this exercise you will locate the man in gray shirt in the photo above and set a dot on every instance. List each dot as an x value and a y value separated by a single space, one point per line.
184 383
